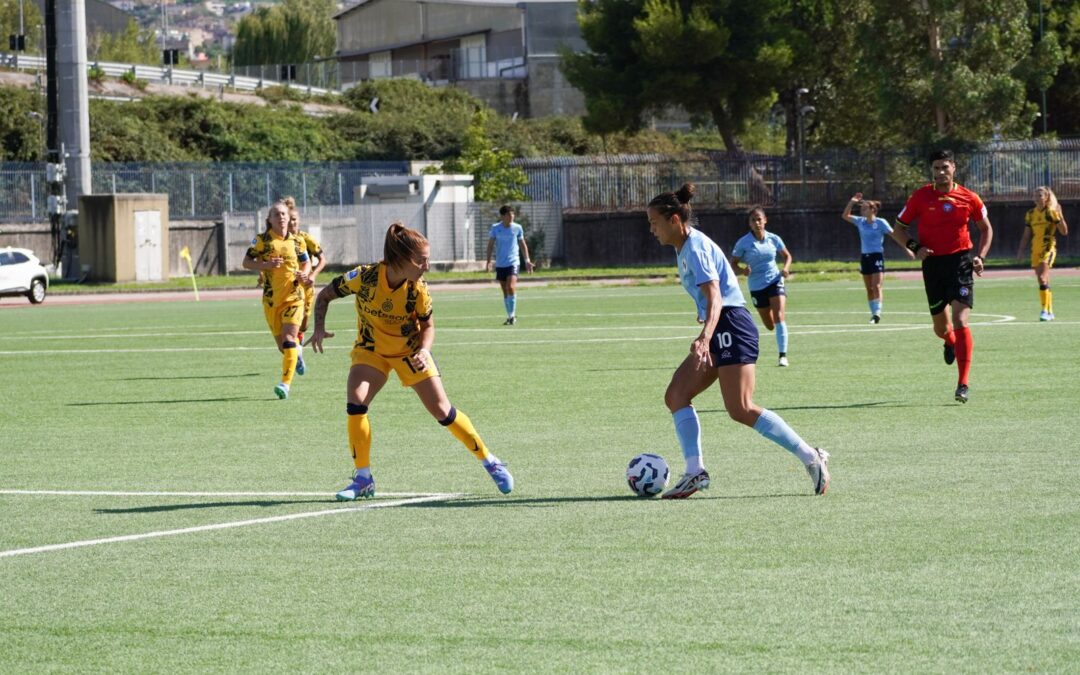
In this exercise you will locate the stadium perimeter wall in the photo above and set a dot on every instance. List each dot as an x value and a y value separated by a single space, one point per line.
623 238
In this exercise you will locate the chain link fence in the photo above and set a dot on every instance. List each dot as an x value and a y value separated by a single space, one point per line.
352 235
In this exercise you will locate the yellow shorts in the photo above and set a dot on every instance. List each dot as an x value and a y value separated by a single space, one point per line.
399 364
288 314
1039 257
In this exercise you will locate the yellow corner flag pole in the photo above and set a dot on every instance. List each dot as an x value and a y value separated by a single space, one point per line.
186 255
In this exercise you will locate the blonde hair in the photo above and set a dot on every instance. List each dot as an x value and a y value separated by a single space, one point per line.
290 205
402 244
1051 200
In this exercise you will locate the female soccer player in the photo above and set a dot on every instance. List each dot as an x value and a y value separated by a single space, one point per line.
872 231
725 352
1040 225
285 267
396 332
758 251
507 240
316 254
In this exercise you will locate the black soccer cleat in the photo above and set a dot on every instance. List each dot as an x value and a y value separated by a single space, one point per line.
950 354
875 319
962 394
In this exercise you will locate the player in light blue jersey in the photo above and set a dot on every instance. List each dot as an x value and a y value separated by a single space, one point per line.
506 240
758 251
724 352
872 231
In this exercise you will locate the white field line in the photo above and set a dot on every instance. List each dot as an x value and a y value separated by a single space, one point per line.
225 526
125 493
815 329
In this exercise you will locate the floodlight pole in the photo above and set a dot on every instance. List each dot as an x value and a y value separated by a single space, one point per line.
799 92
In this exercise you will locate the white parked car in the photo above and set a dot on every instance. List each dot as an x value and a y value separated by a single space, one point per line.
21 273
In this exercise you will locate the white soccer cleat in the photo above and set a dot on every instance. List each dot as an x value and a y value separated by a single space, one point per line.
688 485
282 391
783 363
819 471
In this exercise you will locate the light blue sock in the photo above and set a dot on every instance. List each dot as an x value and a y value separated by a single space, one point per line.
506 305
781 337
875 307
512 305
773 427
688 431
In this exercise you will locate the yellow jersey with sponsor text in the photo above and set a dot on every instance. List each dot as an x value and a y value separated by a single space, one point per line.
279 285
388 319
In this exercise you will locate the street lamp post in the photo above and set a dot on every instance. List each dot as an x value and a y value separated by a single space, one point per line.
801 111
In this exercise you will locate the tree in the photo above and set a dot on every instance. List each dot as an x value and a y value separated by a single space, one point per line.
955 70
131 46
494 180
32 23
296 31
724 60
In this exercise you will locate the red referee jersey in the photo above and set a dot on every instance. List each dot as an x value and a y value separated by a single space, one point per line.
943 217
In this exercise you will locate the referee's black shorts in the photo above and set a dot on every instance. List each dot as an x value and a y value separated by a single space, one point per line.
949 278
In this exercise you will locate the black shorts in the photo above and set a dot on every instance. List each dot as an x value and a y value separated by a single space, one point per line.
949 278
761 298
872 263
735 340
502 273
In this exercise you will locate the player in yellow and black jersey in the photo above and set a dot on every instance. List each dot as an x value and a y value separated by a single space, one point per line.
1041 224
318 262
285 268
395 332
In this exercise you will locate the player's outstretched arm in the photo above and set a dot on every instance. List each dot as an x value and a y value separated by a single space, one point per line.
846 215
322 302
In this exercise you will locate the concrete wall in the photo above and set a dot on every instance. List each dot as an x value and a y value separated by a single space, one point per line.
505 96
618 238
549 91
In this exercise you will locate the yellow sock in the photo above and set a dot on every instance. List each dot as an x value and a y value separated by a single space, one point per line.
1042 299
1049 301
461 426
360 440
288 362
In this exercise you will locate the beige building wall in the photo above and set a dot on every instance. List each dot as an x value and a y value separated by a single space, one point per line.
107 241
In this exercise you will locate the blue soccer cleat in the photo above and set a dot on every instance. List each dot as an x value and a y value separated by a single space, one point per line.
300 364
501 475
362 487
282 391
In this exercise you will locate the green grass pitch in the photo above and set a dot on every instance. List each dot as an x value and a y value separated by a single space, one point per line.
949 541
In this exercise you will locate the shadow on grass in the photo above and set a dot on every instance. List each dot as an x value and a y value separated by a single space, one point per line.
214 505
468 502
186 377
178 400
837 406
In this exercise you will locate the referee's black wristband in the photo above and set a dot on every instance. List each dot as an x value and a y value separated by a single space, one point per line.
913 245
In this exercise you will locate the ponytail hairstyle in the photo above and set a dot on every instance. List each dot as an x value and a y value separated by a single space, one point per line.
670 204
402 244
294 213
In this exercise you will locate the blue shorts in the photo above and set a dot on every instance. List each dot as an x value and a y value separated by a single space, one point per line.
872 263
503 273
735 340
761 298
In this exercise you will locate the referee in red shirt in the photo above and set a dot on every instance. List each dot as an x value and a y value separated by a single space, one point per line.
942 211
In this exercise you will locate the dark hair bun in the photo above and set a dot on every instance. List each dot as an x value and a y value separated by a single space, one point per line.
686 193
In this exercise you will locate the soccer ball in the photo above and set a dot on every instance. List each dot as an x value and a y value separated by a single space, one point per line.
647 475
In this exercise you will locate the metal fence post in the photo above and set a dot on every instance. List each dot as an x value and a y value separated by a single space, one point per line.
340 191
192 176
230 193
33 198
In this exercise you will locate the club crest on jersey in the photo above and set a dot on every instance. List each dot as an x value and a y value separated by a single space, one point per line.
947 207
351 274
254 241
387 305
